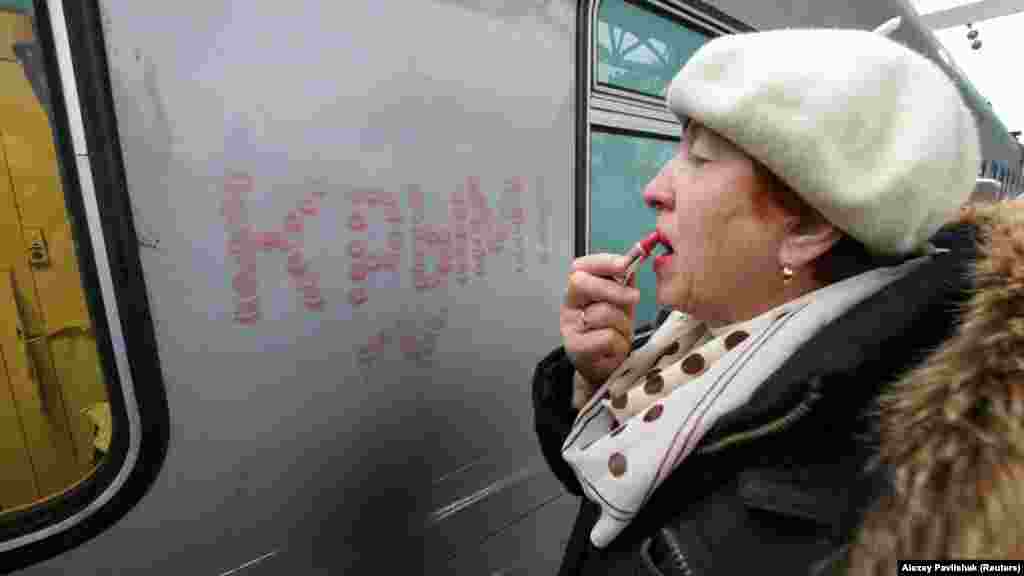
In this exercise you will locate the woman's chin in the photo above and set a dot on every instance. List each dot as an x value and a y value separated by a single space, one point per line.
663 296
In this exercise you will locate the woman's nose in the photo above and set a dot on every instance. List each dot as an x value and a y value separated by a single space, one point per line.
658 192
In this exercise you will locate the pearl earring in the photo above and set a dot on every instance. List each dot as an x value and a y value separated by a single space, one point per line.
787 274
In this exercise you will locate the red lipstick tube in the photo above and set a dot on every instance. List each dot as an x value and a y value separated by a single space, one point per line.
638 253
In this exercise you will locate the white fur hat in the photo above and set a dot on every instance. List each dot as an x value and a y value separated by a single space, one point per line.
871 134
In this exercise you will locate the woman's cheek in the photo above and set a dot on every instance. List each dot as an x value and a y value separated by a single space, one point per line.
675 279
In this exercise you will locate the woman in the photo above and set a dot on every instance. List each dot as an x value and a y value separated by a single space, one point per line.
795 220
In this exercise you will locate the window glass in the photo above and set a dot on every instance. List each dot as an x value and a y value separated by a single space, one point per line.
55 419
639 50
620 166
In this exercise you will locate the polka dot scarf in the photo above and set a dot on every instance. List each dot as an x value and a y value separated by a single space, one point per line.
647 418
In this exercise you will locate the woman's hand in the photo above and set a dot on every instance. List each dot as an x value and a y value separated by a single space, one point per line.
596 318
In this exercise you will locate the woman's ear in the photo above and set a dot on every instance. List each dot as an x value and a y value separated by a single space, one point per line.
804 242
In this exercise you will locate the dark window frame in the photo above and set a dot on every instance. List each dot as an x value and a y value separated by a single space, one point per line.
95 100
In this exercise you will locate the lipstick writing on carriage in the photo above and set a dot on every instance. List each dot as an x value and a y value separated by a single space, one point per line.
638 253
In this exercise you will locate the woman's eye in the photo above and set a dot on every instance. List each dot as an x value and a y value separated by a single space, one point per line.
697 160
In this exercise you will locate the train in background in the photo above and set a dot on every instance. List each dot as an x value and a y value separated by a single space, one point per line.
276 275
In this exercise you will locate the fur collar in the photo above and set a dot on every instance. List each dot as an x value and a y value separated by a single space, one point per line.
952 429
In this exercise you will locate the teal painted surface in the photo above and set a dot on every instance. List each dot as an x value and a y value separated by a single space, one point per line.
640 50
620 168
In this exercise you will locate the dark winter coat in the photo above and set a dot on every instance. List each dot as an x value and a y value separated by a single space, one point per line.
779 485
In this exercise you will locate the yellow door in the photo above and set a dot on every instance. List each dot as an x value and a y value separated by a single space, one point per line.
40 247
51 382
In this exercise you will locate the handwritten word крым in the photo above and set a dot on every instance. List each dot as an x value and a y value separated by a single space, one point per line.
461 245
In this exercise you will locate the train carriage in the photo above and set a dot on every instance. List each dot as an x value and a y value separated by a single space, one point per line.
276 274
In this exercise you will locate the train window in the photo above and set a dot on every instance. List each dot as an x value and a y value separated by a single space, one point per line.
70 434
640 50
621 163
633 50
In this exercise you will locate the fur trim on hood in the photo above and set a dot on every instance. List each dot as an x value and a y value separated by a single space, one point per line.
952 430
